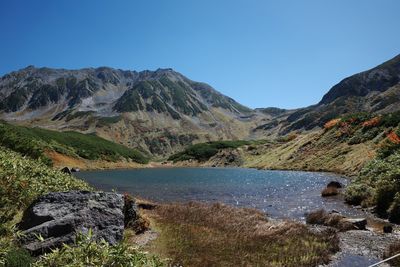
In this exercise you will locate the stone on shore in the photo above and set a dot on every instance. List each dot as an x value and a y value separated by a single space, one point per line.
66 170
57 217
358 223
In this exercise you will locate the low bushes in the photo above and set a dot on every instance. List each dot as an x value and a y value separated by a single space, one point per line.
87 252
356 193
17 257
378 185
204 151
21 181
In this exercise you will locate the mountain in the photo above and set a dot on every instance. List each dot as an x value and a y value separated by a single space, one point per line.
157 112
372 91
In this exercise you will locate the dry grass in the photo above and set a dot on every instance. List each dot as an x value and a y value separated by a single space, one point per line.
196 234
329 191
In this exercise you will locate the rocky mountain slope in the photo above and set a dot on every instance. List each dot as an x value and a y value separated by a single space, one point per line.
156 111
161 112
374 91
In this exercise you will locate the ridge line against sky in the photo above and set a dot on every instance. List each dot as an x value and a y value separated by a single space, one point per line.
261 53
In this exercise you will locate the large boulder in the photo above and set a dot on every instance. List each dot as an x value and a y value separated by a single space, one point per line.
56 218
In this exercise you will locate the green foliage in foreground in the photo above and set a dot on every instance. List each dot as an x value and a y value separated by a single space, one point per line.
21 181
17 257
87 252
34 141
204 151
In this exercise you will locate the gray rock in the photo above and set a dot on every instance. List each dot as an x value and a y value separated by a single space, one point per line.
387 229
358 223
66 170
58 217
335 184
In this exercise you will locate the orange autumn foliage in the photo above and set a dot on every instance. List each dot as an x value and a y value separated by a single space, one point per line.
393 137
372 122
332 123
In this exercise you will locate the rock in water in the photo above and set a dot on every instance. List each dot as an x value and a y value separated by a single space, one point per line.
57 217
334 184
66 170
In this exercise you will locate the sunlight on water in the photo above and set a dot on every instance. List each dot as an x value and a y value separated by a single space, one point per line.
281 194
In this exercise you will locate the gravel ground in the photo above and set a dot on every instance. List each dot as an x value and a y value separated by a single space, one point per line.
362 248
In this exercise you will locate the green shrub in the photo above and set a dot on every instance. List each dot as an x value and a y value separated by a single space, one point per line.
87 252
357 193
391 119
18 257
386 189
22 180
356 118
378 185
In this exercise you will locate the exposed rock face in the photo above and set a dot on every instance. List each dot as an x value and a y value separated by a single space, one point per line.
57 217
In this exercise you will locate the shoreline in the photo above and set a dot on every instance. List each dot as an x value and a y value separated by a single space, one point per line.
364 241
133 166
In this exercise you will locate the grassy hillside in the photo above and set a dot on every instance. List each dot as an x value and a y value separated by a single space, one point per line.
34 142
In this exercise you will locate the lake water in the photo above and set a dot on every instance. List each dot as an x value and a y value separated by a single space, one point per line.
281 194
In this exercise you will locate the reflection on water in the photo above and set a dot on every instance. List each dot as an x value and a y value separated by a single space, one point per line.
281 194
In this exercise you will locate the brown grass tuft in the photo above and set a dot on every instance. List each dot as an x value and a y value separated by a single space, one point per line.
198 234
329 191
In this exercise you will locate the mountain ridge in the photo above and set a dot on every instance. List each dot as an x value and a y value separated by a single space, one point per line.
155 111
161 112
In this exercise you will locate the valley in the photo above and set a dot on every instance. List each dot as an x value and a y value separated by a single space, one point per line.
104 118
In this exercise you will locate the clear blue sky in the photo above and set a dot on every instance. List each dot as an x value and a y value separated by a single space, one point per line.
261 53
